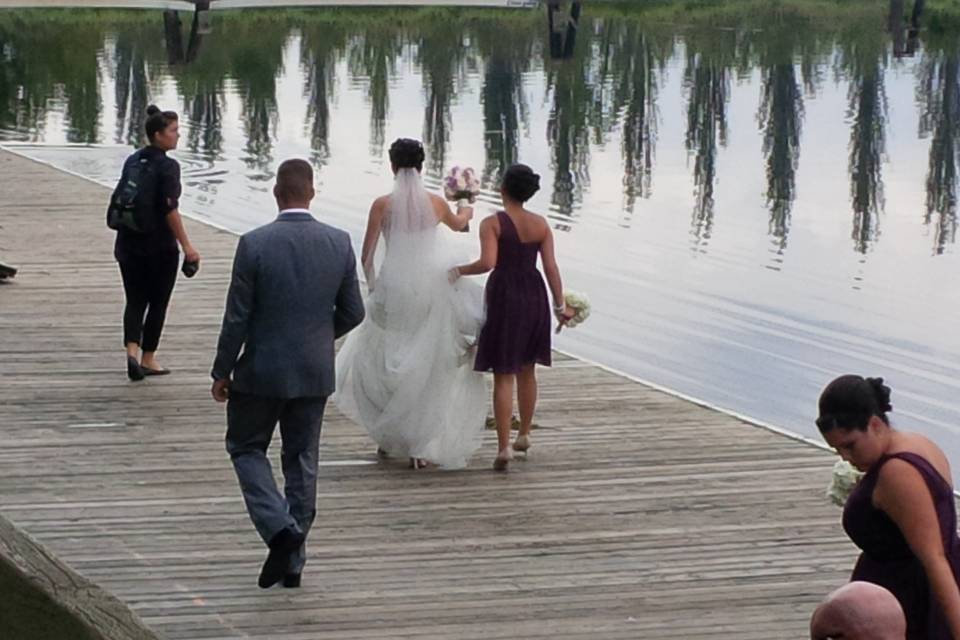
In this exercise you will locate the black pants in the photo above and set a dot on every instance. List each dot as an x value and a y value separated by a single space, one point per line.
148 284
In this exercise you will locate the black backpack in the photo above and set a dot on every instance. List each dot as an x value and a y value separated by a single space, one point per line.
133 205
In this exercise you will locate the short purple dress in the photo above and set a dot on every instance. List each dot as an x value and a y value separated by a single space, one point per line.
516 332
887 559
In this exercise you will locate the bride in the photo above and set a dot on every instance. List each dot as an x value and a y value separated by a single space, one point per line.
406 374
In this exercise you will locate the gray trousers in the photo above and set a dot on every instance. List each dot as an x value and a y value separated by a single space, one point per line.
251 421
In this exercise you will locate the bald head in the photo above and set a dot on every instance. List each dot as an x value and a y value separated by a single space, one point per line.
859 611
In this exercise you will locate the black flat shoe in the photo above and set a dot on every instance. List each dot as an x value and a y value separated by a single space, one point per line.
291 581
282 547
154 372
134 371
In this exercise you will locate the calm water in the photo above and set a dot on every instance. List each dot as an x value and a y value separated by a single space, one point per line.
752 211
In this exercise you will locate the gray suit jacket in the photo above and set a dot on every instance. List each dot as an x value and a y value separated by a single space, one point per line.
294 291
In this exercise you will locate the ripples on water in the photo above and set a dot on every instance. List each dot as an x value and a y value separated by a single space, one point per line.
752 211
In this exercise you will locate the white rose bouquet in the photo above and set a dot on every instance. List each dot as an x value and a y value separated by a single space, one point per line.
845 478
580 305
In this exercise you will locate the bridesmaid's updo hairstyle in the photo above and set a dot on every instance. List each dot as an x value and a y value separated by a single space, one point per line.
406 153
850 401
158 120
520 183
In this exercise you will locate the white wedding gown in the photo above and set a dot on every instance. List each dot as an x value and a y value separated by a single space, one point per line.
406 373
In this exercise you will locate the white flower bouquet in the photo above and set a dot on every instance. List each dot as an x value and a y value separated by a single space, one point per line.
461 186
845 478
581 306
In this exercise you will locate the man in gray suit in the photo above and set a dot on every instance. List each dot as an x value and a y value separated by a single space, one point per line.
294 291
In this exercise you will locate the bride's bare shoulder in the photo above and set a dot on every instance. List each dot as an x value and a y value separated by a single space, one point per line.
380 204
437 201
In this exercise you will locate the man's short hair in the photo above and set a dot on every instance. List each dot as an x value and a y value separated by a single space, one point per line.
294 180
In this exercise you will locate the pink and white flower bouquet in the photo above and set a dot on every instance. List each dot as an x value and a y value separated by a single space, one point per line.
462 186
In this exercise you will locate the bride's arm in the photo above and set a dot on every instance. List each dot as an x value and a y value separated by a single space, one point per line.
370 239
456 221
488 251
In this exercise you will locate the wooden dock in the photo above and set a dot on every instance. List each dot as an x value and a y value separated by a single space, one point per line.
637 515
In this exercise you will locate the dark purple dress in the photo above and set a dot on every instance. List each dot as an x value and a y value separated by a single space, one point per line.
888 561
516 332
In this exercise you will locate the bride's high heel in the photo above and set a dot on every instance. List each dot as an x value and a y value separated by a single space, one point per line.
503 460
521 444
418 463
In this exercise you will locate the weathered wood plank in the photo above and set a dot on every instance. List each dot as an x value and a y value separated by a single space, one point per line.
637 514
43 598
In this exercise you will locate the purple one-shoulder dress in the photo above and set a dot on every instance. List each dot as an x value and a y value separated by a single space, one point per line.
516 332
887 559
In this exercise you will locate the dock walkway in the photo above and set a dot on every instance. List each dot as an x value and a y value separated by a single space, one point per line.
637 515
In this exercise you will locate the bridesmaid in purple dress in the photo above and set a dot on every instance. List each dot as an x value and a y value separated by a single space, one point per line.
516 333
902 513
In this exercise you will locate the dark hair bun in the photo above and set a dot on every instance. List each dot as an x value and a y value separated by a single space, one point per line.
153 110
520 182
406 153
882 393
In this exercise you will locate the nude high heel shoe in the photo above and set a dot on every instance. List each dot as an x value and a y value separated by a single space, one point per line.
503 459
521 444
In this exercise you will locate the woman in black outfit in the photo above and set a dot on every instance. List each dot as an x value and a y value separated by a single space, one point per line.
149 261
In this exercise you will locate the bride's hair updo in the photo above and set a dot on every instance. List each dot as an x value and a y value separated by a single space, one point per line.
850 401
520 182
406 153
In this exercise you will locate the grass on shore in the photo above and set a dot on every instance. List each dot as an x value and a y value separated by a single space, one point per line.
941 16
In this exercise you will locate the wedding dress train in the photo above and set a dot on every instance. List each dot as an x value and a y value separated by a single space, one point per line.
406 374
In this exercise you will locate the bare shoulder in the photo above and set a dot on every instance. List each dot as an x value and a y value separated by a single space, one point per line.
923 446
539 225
440 206
490 222
380 204
896 470
899 485
540 218
902 477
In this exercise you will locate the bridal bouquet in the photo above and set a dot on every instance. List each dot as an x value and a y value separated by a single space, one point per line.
581 306
845 478
461 186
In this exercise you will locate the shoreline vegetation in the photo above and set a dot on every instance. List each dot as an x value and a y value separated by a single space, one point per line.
940 16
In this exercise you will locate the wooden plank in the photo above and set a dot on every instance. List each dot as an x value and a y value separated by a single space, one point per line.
637 514
43 598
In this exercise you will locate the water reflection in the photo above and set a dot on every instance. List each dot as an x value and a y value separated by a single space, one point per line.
372 59
604 91
863 61
710 57
255 64
764 146
321 49
638 61
132 93
780 117
938 93
441 57
505 108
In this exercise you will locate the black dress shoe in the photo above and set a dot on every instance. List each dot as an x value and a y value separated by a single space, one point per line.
134 370
291 581
282 547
